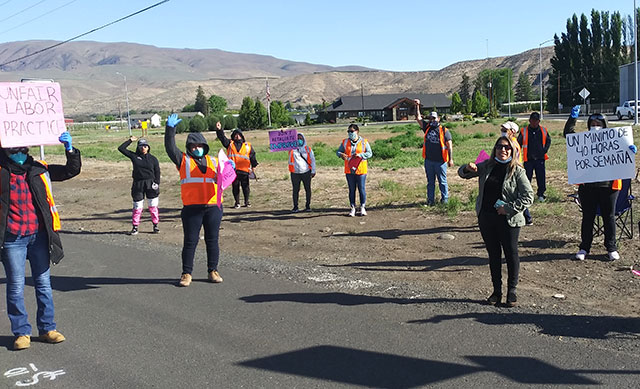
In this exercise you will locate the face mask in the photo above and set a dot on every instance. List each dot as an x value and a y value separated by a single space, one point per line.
434 124
353 135
198 152
503 133
300 143
595 128
18 157
501 161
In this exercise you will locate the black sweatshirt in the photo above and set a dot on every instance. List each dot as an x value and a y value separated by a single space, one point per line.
145 166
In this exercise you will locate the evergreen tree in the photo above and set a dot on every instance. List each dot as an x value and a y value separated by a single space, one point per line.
456 103
217 105
229 122
479 104
197 124
201 105
524 91
280 117
245 117
260 117
307 120
465 88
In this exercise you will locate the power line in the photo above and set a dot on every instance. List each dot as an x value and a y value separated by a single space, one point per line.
83 34
19 12
37 17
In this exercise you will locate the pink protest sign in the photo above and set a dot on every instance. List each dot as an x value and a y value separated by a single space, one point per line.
283 140
225 174
30 113
483 156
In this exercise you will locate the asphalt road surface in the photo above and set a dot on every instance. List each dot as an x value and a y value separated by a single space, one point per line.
128 326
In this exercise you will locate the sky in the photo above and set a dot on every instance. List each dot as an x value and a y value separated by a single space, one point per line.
387 35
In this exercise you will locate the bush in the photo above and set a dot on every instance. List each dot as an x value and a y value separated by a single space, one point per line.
383 149
211 122
197 124
183 126
229 122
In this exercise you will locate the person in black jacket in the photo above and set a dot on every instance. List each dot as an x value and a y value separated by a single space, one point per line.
244 157
146 182
29 225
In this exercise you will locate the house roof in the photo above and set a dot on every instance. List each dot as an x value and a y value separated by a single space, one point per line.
189 114
379 102
141 116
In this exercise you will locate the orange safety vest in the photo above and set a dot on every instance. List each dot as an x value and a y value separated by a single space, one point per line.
240 158
518 151
443 146
197 187
291 163
360 148
55 216
525 141
616 185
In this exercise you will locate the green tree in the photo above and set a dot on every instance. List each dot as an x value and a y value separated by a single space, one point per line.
280 117
245 116
479 104
217 105
201 105
456 103
211 122
465 88
197 124
183 126
524 91
260 117
188 108
307 120
229 122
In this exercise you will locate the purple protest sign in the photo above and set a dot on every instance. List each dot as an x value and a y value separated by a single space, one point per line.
483 156
30 113
283 140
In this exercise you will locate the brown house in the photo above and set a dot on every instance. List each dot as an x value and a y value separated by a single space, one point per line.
382 108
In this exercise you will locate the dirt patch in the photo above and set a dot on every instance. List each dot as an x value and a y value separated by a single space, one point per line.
396 242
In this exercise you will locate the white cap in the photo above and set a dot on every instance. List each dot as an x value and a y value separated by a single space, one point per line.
434 115
510 126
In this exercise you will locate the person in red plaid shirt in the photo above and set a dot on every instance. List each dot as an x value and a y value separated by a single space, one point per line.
29 225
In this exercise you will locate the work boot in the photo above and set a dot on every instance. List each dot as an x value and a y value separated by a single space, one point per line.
185 280
22 342
494 299
512 299
214 277
52 337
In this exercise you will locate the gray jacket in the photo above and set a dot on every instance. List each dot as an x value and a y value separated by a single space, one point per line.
516 191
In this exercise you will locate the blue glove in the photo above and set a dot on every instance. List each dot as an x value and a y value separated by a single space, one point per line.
633 148
65 139
575 112
232 163
173 120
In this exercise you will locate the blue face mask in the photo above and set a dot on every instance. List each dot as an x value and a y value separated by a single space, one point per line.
434 124
198 151
353 135
501 161
18 157
300 143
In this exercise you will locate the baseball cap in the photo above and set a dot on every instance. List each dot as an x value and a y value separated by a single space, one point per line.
510 126
434 115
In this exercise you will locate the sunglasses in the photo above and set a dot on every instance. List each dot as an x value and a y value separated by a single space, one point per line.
15 150
503 147
350 131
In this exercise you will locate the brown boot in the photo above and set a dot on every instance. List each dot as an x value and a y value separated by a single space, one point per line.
22 342
52 337
185 280
214 277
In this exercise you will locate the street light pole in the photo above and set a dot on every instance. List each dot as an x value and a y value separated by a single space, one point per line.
540 54
126 94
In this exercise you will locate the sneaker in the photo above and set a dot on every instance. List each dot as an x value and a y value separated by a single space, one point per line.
541 199
22 342
247 204
185 280
295 210
494 299
363 211
156 229
307 209
512 299
134 231
613 256
52 337
581 255
236 205
529 222
352 213
214 277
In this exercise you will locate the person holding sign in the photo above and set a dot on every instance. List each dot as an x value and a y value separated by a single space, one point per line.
596 195
244 157
146 182
504 193
198 190
302 166
355 151
30 223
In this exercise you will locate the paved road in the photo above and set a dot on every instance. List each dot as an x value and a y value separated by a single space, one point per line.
127 325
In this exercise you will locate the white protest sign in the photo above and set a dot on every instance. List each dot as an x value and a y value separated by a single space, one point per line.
600 155
30 113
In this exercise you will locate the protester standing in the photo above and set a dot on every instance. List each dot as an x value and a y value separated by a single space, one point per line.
504 193
302 167
146 182
535 142
437 152
511 130
355 151
30 223
198 191
244 157
594 195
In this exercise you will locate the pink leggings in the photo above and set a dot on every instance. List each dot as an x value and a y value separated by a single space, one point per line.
137 211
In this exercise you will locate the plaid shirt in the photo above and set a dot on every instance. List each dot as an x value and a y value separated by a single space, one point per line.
23 218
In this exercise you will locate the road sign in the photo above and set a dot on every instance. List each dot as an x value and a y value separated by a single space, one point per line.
584 93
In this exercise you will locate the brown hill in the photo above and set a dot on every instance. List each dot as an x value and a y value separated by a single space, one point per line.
166 79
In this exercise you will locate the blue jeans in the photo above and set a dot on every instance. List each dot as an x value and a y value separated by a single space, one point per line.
15 251
436 169
358 180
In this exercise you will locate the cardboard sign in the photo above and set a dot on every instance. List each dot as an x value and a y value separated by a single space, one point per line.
283 140
483 156
30 113
600 155
225 174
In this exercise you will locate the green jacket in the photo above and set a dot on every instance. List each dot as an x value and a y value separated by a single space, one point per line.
516 191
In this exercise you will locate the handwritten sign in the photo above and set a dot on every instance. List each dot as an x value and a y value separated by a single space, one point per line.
600 155
30 113
283 140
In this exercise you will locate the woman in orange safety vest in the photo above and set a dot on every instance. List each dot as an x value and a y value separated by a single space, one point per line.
355 151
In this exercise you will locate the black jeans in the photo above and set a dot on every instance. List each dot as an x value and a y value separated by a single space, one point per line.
537 165
242 179
499 236
305 178
193 218
590 199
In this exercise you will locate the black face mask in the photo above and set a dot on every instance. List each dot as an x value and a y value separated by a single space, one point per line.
238 143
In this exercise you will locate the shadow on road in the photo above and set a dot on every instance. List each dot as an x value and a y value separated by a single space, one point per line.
70 284
343 299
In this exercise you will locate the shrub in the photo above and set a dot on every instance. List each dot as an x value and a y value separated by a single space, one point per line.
197 124
382 149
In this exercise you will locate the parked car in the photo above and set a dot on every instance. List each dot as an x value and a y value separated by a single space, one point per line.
628 109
